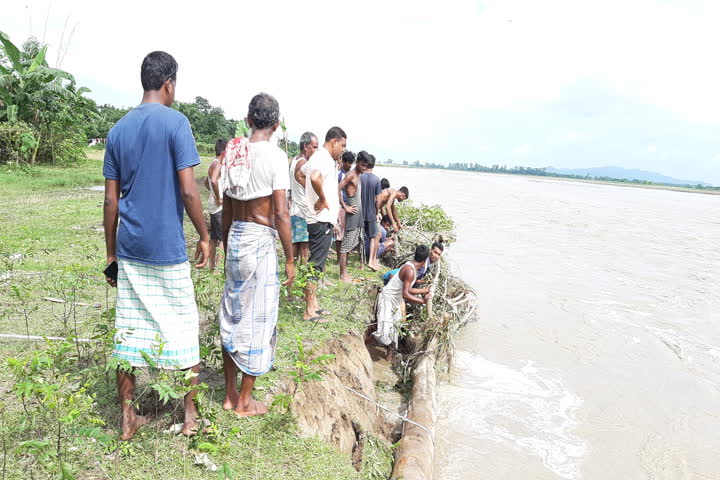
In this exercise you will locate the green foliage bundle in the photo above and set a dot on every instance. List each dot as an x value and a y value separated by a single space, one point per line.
425 218
207 121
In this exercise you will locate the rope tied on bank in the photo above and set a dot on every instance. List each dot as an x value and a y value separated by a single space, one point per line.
402 417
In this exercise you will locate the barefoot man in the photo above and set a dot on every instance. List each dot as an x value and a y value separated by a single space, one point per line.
308 146
255 211
370 190
149 159
387 199
350 201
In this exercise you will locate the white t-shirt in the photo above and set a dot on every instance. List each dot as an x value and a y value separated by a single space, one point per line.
268 172
299 207
323 163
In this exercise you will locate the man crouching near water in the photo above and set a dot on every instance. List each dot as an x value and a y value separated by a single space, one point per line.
399 289
255 178
149 158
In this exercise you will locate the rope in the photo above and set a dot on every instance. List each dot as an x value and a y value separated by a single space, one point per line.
402 417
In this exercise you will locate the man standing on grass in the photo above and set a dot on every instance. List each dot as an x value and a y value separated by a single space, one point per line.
214 205
321 190
350 201
255 178
148 169
298 206
370 185
346 163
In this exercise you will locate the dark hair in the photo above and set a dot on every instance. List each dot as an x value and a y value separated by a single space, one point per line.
306 139
384 183
421 253
335 133
263 111
385 219
157 68
364 157
405 191
349 157
220 147
371 163
438 245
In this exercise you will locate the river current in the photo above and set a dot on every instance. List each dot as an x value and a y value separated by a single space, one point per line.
596 354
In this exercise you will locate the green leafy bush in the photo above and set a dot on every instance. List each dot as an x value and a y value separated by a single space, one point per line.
18 142
428 218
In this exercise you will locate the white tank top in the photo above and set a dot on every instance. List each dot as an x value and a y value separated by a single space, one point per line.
394 287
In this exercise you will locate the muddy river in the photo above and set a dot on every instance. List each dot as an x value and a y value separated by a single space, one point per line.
597 350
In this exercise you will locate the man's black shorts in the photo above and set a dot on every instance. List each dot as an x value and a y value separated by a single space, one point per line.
216 226
320 239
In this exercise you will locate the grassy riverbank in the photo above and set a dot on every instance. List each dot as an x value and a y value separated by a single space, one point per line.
52 246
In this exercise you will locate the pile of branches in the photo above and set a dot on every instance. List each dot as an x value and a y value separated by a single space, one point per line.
433 327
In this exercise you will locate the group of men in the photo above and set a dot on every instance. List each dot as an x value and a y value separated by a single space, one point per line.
148 167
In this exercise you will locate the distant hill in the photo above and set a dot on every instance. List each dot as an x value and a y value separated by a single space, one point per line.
626 174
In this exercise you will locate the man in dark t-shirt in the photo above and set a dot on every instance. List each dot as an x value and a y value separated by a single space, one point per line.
370 189
149 182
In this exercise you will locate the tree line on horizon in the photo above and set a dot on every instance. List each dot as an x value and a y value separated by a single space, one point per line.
540 172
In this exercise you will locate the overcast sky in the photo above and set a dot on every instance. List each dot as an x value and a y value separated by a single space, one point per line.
566 83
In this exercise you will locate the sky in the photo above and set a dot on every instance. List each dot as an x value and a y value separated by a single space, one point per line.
563 83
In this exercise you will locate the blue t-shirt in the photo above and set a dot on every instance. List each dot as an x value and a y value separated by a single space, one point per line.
144 151
370 189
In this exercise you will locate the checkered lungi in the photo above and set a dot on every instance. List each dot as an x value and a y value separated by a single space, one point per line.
156 314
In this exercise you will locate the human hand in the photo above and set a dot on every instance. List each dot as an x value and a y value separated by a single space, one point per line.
110 259
352 210
290 274
202 253
320 205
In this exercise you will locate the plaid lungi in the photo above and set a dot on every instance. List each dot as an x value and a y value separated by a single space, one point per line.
249 308
156 307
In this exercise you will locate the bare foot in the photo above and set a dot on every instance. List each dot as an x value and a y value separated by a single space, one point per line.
130 425
373 268
190 427
230 400
346 279
251 409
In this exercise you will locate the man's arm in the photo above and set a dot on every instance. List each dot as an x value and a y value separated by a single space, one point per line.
282 225
193 207
316 181
110 220
227 219
214 177
341 186
408 292
299 174
390 207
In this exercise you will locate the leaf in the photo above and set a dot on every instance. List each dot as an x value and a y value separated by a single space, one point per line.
82 90
66 472
324 359
208 447
12 52
38 60
11 113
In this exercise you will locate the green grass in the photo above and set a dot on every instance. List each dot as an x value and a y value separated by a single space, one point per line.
52 245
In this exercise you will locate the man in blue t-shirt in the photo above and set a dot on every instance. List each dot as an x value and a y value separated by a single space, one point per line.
149 181
370 190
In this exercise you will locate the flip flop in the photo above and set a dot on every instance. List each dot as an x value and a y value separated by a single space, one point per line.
322 311
318 319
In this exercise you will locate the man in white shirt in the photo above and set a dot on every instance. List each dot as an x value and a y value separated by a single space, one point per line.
308 146
323 205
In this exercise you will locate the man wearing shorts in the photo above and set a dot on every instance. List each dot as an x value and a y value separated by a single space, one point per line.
322 202
214 204
371 189
298 205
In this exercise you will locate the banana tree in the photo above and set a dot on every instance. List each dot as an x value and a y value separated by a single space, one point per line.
23 86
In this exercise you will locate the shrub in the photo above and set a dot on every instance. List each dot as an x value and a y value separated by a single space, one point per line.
18 142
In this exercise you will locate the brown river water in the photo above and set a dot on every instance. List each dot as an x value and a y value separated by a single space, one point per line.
596 354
